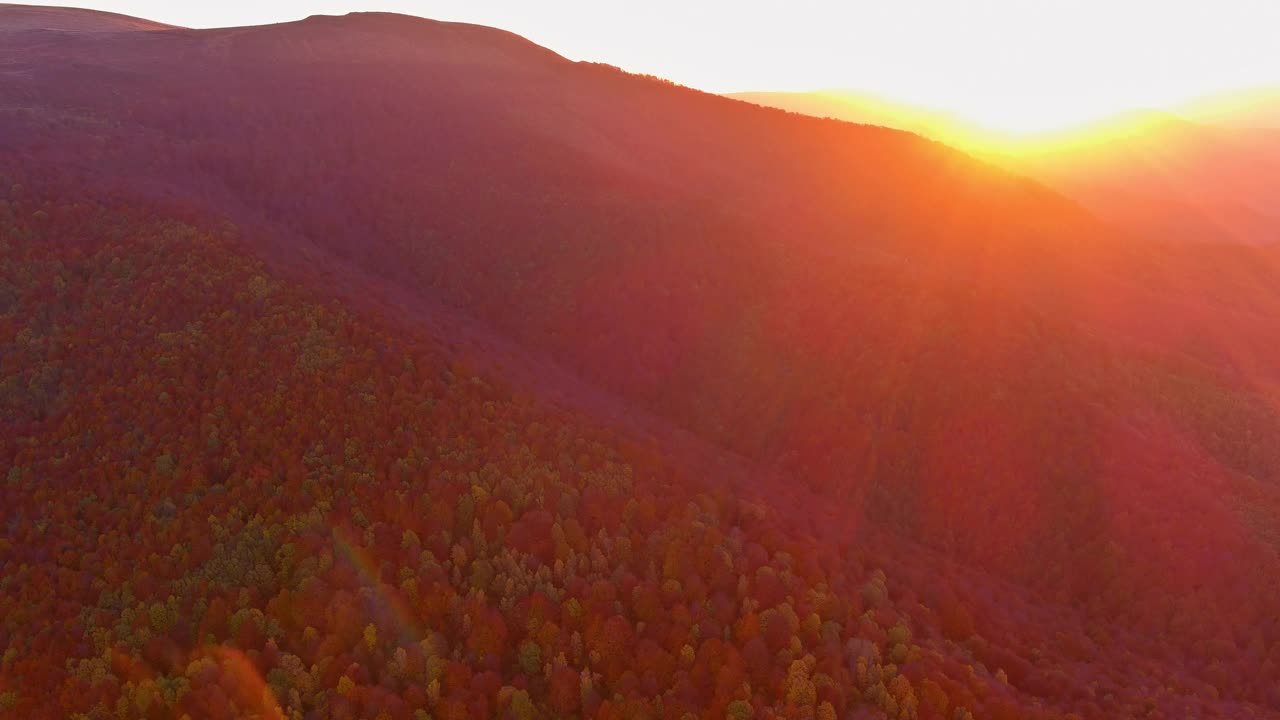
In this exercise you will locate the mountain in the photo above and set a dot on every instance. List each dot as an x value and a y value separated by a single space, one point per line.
868 109
1207 179
1255 109
25 18
372 364
1166 177
861 108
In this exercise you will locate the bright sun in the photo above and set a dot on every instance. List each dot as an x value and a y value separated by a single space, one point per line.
1013 112
1022 117
996 124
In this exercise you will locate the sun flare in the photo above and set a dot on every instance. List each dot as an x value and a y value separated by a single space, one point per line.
1017 117
366 365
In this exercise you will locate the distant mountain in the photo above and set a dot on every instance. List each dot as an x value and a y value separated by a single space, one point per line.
1148 173
1250 109
373 365
1169 178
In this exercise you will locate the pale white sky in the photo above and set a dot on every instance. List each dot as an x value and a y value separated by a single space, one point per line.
1013 63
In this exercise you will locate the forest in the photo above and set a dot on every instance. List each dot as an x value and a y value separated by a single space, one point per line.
265 506
231 496
457 379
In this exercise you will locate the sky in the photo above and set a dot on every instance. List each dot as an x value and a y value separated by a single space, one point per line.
1020 65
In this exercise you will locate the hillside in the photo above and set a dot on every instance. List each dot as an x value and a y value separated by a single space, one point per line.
1166 177
868 109
1255 109
1153 174
906 434
230 496
22 18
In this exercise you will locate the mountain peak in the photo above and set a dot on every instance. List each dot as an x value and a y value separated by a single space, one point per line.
438 33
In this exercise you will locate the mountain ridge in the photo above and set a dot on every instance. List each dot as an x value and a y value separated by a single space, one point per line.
19 17
1001 434
1154 173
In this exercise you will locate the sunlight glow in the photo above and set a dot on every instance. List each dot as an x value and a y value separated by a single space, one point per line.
1002 66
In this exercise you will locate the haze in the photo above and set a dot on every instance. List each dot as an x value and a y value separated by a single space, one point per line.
1009 65
373 366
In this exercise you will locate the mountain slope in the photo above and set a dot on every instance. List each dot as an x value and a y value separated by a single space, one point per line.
534 194
1170 178
229 495
881 331
1148 173
866 109
1248 109
22 18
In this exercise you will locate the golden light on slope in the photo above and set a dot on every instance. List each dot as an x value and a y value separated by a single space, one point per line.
996 75
1033 133
1018 126
1013 66
1011 129
1015 116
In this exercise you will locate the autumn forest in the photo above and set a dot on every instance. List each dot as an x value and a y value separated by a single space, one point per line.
376 368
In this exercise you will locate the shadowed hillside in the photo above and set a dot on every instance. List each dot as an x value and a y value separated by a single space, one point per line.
1058 438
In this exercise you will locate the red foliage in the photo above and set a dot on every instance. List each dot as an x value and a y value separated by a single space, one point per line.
1016 467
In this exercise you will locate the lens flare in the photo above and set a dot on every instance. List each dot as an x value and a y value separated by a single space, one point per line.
392 611
247 688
